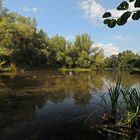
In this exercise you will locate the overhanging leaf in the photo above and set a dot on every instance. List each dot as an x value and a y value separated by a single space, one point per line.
107 14
123 6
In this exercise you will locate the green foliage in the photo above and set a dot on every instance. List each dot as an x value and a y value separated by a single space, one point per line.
137 4
136 15
123 6
25 46
1 7
124 60
111 21
135 71
125 57
123 19
28 47
2 63
123 120
98 58
69 61
107 14
111 62
114 93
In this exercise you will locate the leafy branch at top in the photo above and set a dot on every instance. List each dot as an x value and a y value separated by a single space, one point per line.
111 21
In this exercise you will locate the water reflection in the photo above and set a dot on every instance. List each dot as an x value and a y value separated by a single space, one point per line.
40 104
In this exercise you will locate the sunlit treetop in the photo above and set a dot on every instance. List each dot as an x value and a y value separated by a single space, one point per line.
111 21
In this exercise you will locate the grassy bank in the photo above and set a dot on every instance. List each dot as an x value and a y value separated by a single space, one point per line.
135 71
6 70
75 69
12 69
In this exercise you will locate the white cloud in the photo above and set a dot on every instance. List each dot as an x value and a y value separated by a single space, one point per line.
33 9
109 49
123 38
115 12
92 9
26 9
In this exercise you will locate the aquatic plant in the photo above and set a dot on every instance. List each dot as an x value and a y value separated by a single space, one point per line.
127 125
114 94
131 98
110 102
12 67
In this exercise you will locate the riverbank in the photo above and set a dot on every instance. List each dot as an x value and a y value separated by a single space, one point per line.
75 69
135 71
12 68
6 70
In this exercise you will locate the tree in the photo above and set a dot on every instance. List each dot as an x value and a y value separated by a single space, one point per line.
98 58
19 36
83 43
69 62
71 55
1 6
124 6
112 62
57 47
125 58
3 10
83 60
41 39
58 42
82 47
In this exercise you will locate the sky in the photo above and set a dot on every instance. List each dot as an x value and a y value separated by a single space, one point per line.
71 17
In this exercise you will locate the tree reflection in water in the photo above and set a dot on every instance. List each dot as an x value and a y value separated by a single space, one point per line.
39 104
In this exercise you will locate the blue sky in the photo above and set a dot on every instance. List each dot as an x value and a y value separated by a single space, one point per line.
71 17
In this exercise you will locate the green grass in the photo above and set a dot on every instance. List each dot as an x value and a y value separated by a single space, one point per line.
75 69
11 68
128 121
135 71
5 70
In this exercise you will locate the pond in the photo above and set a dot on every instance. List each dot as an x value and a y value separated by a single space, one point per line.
53 105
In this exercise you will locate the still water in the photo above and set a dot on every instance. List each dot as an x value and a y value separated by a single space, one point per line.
53 105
